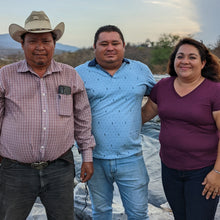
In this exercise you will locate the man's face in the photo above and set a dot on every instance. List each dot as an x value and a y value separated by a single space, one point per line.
109 49
38 49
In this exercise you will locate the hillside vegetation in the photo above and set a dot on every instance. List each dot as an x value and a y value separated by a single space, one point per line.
154 54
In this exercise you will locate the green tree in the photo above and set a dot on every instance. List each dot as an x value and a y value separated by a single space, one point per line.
161 51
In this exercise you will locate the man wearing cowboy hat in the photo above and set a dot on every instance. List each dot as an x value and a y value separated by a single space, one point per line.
43 109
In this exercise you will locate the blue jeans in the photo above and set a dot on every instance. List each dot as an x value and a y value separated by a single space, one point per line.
132 179
20 185
183 190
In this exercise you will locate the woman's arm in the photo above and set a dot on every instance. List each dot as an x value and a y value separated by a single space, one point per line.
148 111
212 180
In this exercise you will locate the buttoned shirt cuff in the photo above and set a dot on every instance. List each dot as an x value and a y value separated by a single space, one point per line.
87 155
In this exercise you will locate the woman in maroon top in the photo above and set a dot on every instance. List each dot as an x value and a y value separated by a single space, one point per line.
188 104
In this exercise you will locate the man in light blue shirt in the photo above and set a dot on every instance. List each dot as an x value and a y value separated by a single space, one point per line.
115 88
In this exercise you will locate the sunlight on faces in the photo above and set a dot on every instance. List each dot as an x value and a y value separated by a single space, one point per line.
38 49
188 62
109 49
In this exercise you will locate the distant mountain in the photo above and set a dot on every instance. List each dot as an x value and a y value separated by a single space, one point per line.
9 46
66 48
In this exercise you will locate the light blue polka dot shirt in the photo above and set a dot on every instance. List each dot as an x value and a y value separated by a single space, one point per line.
116 106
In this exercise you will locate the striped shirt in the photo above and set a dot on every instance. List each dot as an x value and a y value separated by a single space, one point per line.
36 122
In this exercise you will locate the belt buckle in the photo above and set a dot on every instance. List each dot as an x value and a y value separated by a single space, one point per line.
39 165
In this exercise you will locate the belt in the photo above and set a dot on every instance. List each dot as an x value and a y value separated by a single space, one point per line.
37 165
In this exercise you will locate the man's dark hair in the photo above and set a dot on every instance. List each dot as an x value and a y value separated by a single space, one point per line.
108 28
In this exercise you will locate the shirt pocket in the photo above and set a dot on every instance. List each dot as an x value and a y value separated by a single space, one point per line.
65 105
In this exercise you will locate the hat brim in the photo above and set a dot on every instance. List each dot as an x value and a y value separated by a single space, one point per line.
16 31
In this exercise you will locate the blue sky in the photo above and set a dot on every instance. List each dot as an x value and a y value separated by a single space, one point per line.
138 19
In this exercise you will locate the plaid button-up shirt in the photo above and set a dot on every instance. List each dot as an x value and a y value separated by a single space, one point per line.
36 122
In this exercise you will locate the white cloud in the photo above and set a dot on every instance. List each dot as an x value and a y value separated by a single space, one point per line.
206 13
138 19
171 16
169 3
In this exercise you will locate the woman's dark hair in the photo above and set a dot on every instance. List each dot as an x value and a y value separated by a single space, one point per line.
211 69
107 28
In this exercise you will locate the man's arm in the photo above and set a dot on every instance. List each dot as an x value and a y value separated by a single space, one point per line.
82 130
2 106
86 171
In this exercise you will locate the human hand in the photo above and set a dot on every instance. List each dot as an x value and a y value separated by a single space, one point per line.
212 185
86 171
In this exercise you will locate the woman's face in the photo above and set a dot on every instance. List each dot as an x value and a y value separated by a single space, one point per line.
187 63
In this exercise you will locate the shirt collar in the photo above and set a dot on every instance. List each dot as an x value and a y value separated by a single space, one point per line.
54 67
94 62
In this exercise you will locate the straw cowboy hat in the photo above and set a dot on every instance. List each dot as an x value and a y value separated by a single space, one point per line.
37 22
